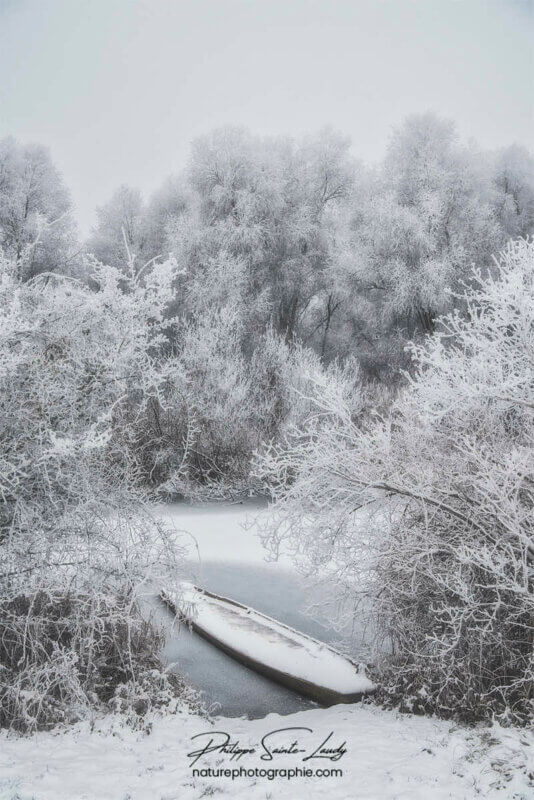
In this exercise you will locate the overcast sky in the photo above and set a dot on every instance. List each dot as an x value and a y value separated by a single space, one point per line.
118 88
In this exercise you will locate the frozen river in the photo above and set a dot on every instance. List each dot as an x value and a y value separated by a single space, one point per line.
226 557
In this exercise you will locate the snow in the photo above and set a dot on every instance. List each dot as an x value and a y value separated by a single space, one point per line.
389 756
272 643
220 531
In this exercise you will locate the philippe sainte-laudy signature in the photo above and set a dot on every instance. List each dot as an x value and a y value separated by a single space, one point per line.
302 743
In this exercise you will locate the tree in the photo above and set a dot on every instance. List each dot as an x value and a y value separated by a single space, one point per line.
36 225
444 566
349 261
514 178
226 391
165 206
266 202
119 232
426 218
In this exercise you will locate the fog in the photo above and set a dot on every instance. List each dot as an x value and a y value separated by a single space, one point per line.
119 88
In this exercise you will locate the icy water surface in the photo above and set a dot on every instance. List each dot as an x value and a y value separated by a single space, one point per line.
271 588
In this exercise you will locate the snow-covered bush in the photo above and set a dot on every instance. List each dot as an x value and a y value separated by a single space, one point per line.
228 394
64 651
445 564
76 366
230 384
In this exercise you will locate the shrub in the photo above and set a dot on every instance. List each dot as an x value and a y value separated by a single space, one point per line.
64 653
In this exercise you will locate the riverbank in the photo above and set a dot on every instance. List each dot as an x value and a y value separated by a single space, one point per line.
388 755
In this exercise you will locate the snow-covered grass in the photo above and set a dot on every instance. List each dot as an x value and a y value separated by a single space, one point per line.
388 756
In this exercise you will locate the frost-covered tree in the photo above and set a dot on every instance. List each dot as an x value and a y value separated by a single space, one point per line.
426 218
266 202
349 261
36 224
230 387
119 233
127 227
424 518
514 201
165 206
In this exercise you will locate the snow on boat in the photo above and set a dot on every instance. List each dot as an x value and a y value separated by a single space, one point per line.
275 650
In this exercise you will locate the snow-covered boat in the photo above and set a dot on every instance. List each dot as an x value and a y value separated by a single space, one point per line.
275 650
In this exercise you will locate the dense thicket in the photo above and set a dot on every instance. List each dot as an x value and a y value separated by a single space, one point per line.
77 365
350 261
424 517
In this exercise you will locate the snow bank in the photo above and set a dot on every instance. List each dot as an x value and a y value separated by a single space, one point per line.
388 756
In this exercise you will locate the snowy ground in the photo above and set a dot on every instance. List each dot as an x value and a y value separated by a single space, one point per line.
387 756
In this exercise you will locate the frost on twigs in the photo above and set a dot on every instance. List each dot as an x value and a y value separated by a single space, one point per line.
65 653
77 364
424 518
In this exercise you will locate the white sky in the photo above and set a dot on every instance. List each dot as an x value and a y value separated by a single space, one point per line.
118 88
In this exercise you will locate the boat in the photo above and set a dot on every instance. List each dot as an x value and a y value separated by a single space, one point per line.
271 648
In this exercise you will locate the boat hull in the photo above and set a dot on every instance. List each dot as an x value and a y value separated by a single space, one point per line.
321 694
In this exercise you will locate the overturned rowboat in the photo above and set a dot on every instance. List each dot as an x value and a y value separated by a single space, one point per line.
269 647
